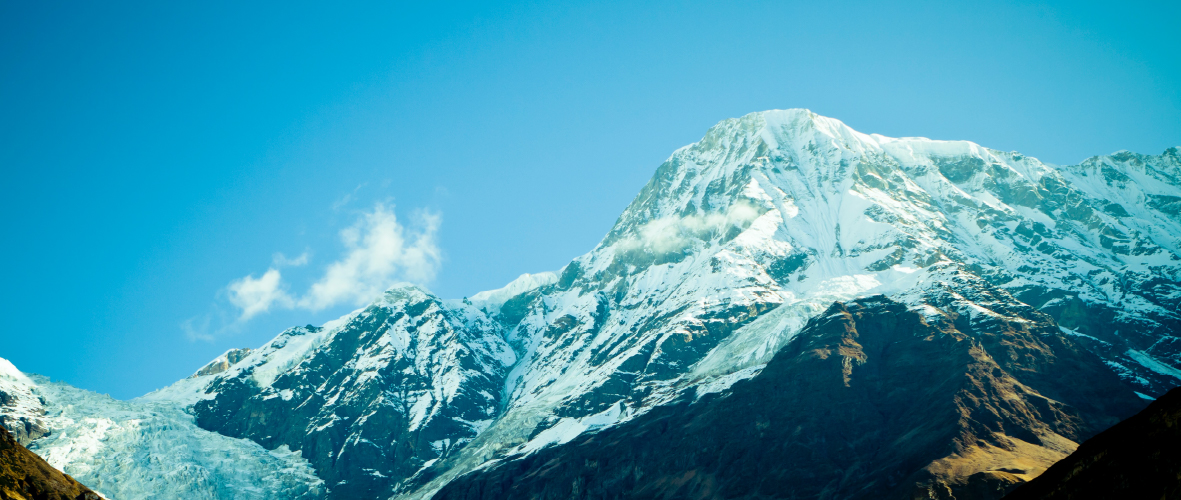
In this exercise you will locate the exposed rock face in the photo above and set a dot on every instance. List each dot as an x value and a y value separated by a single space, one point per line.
1137 458
222 363
25 476
871 400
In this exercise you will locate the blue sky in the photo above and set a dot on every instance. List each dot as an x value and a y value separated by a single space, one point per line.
183 178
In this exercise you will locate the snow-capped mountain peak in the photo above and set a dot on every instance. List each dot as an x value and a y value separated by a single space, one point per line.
735 245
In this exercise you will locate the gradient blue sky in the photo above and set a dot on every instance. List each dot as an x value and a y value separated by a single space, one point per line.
154 153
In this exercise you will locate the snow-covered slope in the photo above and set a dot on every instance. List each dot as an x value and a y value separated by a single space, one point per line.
21 411
733 246
382 395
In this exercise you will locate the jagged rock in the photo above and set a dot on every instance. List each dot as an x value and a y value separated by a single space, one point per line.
222 363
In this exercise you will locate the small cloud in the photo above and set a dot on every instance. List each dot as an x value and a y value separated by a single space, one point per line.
348 197
280 260
380 252
669 234
197 328
257 295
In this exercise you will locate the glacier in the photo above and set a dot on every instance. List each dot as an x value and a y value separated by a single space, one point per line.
149 449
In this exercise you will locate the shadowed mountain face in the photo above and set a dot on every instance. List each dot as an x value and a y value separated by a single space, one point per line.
26 476
871 400
1138 458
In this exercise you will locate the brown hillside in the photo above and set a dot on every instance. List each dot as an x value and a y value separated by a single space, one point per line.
26 476
1137 458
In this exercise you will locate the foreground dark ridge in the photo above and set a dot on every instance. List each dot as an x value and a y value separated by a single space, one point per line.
1138 458
25 476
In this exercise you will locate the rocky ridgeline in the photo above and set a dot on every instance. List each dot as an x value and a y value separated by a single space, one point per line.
400 384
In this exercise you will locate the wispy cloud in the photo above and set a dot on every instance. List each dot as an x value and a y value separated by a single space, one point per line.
257 295
348 197
379 251
669 234
197 328
280 260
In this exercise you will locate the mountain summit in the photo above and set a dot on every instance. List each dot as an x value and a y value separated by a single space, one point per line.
775 289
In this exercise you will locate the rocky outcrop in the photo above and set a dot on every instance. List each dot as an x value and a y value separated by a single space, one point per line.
1137 458
22 411
24 426
25 476
222 363
873 399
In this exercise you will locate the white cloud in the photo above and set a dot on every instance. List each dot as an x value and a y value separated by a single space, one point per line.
280 260
257 295
668 234
379 252
197 328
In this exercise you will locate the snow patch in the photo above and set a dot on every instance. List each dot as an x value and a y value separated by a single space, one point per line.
1152 364
493 299
569 428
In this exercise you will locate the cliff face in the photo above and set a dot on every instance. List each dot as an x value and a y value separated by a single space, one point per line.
1138 458
25 476
873 399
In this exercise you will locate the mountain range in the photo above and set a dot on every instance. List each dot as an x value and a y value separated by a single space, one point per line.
788 309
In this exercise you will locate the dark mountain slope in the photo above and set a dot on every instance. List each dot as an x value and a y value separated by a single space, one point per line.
870 400
1138 458
25 476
